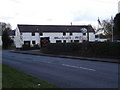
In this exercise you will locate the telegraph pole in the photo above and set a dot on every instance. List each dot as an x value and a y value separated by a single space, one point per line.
112 24
112 32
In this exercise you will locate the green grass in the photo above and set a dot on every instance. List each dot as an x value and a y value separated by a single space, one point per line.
12 78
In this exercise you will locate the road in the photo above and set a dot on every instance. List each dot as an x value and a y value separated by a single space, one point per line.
65 73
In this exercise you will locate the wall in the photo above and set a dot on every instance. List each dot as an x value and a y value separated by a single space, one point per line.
59 36
53 36
28 37
91 37
18 41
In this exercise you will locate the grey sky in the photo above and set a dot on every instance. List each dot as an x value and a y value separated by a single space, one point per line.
56 11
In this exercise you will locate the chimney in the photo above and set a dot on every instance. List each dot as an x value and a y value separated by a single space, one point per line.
71 23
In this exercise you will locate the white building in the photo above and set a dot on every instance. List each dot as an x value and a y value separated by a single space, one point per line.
39 34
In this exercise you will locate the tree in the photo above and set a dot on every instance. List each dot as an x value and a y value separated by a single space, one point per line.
106 28
7 42
2 26
116 33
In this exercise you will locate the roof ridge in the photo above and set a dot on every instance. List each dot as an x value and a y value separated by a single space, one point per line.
48 25
54 28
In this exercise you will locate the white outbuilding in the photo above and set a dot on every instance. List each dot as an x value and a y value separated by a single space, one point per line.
40 34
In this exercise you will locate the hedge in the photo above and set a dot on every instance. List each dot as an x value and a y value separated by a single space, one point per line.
95 49
26 47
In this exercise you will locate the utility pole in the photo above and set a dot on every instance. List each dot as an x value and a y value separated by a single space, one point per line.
112 32
71 23
112 24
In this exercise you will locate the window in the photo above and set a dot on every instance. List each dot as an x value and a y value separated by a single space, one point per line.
84 33
84 40
58 41
27 43
76 41
71 41
96 36
33 34
70 33
64 41
64 33
41 34
12 37
33 42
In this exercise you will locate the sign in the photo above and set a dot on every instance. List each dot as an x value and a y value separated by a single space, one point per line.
62 37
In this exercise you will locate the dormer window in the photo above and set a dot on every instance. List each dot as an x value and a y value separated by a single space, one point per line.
64 33
84 34
71 33
33 34
41 34
84 30
33 42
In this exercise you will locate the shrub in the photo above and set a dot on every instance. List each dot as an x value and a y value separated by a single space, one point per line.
96 49
27 47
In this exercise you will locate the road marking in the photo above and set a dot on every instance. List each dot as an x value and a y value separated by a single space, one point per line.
78 67
49 62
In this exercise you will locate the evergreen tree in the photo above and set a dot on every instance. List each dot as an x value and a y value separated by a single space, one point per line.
6 40
117 27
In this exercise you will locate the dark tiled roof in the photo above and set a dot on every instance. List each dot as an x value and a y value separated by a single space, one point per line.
54 28
11 32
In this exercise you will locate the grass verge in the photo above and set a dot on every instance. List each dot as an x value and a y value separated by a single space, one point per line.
12 78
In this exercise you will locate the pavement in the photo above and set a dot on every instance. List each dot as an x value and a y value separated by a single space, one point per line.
37 52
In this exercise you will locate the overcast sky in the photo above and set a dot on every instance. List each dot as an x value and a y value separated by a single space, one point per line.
52 12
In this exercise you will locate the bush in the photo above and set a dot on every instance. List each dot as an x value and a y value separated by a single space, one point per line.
95 49
36 46
27 47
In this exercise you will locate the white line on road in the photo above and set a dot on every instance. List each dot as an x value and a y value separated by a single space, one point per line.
78 67
49 62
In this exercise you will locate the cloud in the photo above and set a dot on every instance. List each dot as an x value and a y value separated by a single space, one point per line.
15 1
56 11
6 18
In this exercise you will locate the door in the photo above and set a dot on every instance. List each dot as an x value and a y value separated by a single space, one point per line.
27 43
44 41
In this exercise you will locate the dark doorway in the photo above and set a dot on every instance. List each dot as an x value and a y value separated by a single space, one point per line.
44 41
27 43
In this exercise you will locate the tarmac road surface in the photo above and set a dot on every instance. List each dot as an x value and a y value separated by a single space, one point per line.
63 72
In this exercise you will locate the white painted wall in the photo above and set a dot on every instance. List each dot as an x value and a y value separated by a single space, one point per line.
91 37
28 37
84 37
18 40
53 36
67 37
77 36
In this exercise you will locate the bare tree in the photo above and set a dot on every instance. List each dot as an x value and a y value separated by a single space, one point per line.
107 27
